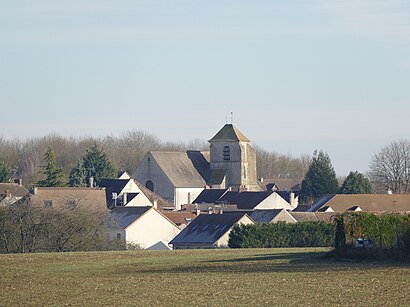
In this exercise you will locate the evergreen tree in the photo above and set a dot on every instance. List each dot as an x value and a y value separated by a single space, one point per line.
356 183
52 172
320 179
78 177
95 164
5 172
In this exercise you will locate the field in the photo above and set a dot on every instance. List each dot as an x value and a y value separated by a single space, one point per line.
208 278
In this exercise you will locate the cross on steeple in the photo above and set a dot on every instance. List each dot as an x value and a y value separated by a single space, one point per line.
231 118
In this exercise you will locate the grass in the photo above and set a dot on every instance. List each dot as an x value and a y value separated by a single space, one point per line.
200 277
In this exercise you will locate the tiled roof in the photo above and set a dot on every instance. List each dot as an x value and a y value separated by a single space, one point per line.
229 133
179 217
367 202
15 189
207 228
217 176
286 195
284 184
125 216
249 200
86 198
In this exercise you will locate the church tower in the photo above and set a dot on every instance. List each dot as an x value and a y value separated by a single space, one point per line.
232 161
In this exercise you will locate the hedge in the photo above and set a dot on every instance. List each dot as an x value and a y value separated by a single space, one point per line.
303 234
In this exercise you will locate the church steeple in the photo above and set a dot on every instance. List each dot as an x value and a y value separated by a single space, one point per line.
232 160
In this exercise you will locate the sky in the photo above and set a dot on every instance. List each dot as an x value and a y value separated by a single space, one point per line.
298 75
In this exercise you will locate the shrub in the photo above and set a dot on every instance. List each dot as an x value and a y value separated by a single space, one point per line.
304 234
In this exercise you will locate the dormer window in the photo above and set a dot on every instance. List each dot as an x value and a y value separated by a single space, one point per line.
227 153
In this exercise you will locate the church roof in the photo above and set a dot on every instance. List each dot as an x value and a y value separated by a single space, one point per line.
181 168
229 133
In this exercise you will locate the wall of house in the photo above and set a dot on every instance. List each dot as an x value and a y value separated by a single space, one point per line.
273 201
181 196
223 241
283 216
150 229
140 200
149 169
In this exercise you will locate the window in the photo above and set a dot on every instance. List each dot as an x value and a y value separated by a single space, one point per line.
48 203
149 185
118 236
227 153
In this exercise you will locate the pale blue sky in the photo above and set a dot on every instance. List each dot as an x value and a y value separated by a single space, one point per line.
299 75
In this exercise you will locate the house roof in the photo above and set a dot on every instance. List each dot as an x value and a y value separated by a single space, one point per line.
15 189
125 216
247 200
264 216
207 228
179 217
209 196
115 184
286 195
182 170
152 197
217 176
283 184
229 133
86 198
367 202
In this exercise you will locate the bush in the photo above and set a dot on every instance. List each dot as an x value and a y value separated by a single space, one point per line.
304 234
389 235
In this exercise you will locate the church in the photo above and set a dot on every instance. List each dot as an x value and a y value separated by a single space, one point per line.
180 177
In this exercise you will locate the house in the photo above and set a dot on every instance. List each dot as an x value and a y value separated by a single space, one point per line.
282 215
179 177
179 218
209 231
362 202
91 199
11 193
246 200
280 184
145 227
124 192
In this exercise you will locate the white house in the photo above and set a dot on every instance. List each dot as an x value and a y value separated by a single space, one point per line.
142 226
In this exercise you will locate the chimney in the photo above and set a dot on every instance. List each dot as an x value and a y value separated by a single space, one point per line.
8 193
91 181
292 199
155 204
35 191
18 181
389 192
261 179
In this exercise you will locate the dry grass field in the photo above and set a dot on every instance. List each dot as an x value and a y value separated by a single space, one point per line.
252 277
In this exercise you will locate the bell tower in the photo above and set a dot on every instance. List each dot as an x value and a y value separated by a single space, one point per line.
232 160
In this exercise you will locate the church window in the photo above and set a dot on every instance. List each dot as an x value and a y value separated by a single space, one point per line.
227 153
149 185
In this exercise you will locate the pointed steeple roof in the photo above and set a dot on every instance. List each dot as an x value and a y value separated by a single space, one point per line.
229 133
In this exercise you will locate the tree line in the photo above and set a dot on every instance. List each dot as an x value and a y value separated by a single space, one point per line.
32 159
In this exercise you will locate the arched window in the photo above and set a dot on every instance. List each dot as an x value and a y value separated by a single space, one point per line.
227 153
149 185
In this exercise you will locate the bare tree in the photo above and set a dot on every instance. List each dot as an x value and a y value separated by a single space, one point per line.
390 168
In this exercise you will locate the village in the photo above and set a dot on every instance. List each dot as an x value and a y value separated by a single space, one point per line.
193 199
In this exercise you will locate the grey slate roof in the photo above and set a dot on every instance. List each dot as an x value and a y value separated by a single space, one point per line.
207 228
180 169
286 195
125 216
264 216
217 176
209 196
229 133
247 200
